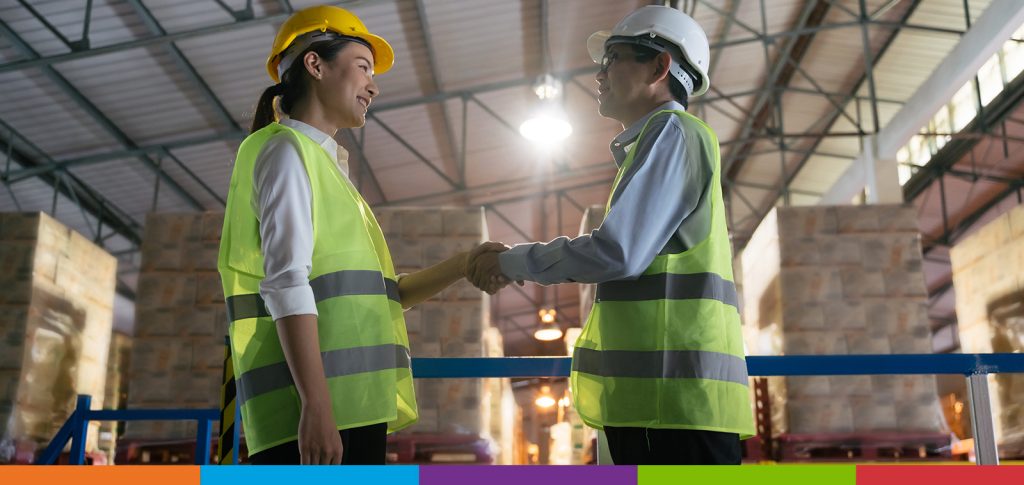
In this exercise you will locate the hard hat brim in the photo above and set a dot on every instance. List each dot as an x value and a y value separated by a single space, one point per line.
595 44
383 54
596 47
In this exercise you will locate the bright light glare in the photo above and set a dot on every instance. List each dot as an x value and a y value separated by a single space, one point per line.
546 129
545 401
548 334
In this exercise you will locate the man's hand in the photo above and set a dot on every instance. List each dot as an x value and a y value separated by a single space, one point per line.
483 269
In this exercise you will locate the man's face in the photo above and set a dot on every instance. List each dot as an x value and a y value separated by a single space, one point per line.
622 82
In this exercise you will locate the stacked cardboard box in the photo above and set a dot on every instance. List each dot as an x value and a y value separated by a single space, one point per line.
500 403
178 351
840 280
117 385
987 269
56 315
456 323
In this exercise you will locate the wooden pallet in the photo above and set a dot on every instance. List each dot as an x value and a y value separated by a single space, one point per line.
890 446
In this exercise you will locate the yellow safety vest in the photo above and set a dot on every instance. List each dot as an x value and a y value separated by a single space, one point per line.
665 350
363 341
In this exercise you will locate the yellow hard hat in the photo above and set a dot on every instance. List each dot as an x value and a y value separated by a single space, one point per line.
324 18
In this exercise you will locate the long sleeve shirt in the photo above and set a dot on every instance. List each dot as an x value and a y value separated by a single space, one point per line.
283 204
658 205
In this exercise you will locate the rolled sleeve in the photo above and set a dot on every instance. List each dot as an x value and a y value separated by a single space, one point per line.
283 200
283 302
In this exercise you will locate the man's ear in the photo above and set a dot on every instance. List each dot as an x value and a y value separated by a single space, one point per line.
662 63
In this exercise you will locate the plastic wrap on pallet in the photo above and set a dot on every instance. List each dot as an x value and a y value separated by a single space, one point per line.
990 314
56 315
840 280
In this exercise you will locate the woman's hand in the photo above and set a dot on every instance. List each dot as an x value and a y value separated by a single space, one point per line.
319 441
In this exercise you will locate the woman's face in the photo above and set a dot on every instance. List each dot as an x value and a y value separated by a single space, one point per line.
346 85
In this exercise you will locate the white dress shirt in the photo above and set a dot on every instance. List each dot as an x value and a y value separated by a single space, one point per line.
282 200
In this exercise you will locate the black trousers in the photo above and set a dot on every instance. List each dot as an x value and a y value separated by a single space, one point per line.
650 446
366 445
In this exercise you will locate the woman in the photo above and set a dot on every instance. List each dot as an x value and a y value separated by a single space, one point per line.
318 340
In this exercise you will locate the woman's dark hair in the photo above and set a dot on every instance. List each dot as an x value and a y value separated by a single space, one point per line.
294 83
647 54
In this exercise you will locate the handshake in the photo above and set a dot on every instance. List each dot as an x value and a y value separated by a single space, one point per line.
483 270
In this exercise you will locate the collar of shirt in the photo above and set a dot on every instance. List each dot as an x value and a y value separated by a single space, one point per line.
333 149
623 141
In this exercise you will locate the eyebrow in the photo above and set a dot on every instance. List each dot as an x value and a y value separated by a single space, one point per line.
365 59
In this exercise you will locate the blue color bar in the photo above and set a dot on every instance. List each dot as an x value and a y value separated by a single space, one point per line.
278 475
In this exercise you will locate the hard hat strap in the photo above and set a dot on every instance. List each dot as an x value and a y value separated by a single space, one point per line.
679 71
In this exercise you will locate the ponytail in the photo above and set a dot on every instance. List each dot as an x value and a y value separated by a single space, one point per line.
294 84
265 114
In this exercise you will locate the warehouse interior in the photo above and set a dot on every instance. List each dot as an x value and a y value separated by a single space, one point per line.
872 161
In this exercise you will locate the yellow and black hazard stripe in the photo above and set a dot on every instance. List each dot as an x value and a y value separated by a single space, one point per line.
226 453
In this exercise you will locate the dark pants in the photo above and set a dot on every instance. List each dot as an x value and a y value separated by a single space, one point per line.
366 445
649 446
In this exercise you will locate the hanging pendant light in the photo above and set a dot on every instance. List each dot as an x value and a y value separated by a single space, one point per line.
545 399
548 329
548 126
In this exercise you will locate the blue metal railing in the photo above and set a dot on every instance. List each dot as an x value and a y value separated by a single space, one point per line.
970 365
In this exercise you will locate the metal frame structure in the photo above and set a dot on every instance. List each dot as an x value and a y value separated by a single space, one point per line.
763 119
975 367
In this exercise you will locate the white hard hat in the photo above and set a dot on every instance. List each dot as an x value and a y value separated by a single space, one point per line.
670 25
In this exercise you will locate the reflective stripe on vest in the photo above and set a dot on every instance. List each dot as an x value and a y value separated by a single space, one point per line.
670 286
330 285
665 364
360 325
337 363
665 350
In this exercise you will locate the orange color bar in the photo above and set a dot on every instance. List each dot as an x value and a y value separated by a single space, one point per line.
100 475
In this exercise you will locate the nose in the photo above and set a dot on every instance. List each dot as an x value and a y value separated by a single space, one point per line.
601 75
373 89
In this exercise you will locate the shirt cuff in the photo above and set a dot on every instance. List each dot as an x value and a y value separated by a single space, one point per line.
285 302
513 263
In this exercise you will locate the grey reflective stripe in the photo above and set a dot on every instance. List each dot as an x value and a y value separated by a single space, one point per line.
337 363
349 282
668 286
246 306
661 364
391 286
330 285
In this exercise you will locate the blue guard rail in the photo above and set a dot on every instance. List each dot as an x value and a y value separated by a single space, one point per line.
975 367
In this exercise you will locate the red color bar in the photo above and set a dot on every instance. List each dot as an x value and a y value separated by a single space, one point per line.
939 475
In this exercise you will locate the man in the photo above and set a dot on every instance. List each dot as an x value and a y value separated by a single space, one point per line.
659 365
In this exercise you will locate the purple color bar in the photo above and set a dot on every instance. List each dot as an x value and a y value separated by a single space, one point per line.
528 475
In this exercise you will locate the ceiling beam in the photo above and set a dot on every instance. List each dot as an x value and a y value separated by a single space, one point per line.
93 112
435 84
983 39
779 75
103 210
185 66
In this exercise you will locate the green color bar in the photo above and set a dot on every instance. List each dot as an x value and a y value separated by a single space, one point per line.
762 475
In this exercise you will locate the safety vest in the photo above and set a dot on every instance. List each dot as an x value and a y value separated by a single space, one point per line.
363 341
665 350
